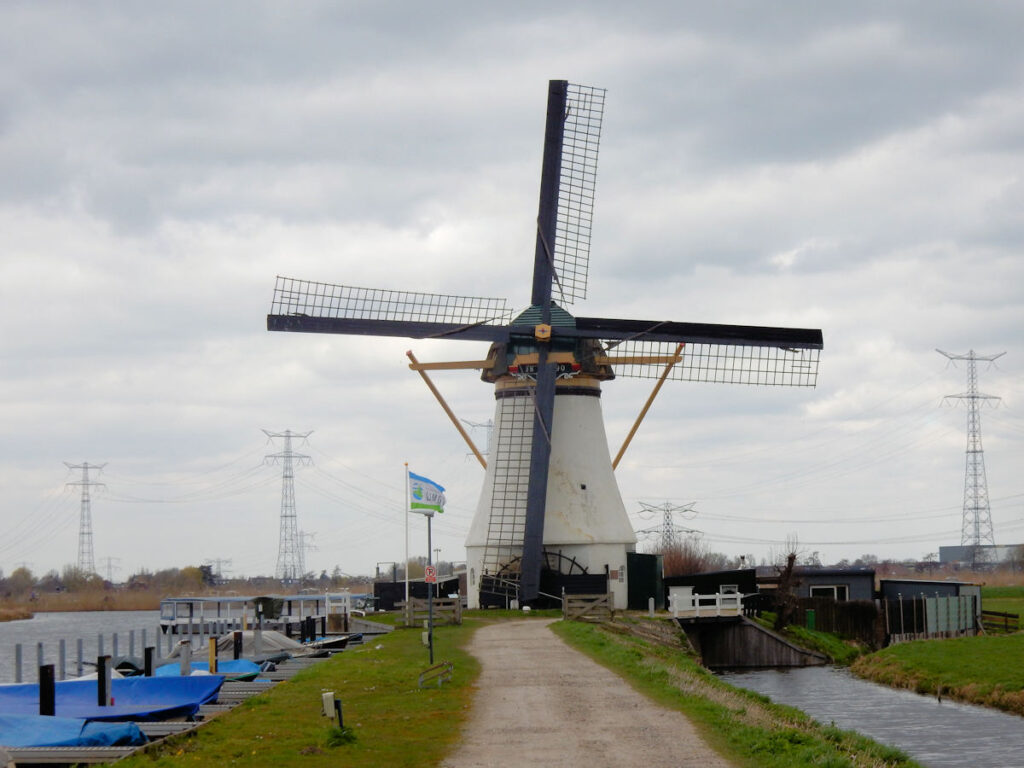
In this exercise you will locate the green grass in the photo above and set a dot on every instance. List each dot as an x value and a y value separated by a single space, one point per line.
840 651
388 719
984 670
1003 599
746 727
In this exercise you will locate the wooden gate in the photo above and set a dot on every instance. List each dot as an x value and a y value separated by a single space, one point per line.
588 607
415 612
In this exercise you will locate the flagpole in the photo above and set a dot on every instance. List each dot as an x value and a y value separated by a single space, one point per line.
430 593
407 534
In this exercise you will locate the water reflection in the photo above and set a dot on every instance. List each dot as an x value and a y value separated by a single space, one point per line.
934 733
49 628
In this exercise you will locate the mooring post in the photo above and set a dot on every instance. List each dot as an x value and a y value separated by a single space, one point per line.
212 655
113 644
131 642
186 657
62 659
17 662
103 676
47 691
80 651
148 653
236 644
99 644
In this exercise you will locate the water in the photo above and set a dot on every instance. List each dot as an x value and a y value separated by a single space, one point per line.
50 628
936 734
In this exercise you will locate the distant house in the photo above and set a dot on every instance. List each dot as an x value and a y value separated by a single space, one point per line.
839 584
981 554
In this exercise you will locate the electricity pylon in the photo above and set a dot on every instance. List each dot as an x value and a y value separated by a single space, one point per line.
668 532
289 549
86 562
977 520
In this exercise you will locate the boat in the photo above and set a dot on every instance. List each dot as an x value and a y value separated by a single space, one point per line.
238 670
44 731
132 698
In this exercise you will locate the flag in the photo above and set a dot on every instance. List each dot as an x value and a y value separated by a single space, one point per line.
425 494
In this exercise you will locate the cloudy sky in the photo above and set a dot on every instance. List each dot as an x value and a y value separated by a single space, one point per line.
857 169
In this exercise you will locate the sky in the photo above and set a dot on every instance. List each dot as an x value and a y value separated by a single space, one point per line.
850 167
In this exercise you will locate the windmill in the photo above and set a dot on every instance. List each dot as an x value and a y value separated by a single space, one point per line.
550 508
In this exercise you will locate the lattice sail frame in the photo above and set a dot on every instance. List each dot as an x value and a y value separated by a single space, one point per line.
577 182
715 363
325 300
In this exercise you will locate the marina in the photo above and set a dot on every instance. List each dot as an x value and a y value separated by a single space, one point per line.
138 709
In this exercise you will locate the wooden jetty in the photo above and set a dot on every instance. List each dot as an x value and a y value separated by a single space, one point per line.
231 694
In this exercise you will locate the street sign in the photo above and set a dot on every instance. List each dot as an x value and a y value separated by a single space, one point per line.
430 574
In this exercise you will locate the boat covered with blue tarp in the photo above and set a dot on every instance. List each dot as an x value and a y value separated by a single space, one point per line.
41 731
232 669
132 698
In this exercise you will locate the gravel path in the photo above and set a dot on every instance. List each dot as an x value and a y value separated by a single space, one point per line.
541 703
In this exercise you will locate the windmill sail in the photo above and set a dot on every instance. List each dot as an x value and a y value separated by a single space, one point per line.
544 354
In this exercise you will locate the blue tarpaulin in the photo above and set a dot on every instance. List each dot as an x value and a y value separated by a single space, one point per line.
39 731
134 698
230 668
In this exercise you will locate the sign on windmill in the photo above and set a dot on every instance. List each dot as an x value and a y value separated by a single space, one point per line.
550 514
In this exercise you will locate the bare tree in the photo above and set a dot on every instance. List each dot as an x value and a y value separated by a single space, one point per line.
691 555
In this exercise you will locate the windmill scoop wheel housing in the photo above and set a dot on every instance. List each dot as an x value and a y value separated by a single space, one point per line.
549 496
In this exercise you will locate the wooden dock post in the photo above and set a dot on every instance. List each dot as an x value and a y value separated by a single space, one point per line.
186 658
47 691
17 662
103 681
147 660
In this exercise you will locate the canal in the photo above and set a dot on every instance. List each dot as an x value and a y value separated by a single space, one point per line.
49 628
935 733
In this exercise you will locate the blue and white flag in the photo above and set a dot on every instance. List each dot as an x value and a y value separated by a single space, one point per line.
425 494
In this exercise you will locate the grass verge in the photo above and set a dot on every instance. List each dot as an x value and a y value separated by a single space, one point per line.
982 670
744 726
840 651
1003 599
389 720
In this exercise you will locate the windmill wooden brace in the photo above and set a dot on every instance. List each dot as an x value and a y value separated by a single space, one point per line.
550 512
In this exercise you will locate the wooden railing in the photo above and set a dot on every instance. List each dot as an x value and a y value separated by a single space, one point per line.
997 621
694 606
439 673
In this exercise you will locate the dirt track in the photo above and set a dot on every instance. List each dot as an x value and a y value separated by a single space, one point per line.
541 703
